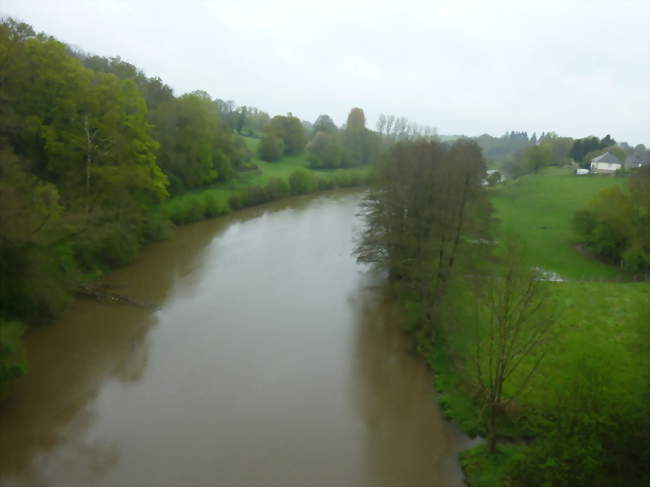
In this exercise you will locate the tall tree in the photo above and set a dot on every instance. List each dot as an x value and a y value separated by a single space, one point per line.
511 334
428 201
325 124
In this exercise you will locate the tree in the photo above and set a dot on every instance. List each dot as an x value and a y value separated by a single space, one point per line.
616 223
428 201
359 144
511 334
271 147
324 151
537 156
356 121
325 124
241 119
289 130
582 147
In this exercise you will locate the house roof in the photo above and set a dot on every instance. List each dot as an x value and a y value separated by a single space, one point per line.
606 157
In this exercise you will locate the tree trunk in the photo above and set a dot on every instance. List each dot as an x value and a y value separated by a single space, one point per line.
491 444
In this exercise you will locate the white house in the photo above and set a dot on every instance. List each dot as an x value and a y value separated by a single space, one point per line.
605 164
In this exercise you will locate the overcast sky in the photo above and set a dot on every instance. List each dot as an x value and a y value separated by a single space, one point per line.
576 67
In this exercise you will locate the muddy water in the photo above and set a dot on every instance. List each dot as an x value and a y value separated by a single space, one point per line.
271 360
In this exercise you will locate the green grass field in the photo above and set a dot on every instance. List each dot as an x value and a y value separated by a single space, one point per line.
600 331
539 209
592 310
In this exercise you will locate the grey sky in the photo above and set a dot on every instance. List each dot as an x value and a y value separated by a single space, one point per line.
575 67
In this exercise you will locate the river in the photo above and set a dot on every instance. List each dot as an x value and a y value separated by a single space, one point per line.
271 360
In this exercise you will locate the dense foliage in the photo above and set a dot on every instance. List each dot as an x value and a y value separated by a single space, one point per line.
284 135
616 224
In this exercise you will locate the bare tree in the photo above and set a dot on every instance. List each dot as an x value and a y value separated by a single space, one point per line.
511 335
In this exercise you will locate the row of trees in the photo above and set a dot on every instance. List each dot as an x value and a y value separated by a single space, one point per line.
520 154
282 136
428 226
329 148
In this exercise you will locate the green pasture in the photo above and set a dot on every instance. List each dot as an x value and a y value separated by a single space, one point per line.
539 209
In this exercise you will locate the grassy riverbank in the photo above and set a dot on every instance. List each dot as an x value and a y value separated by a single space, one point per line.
593 381
270 181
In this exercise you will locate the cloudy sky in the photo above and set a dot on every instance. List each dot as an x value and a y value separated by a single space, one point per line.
576 67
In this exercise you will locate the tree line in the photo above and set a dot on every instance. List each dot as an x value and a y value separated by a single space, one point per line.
518 154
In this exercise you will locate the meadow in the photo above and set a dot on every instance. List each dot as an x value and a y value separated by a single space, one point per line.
595 372
539 209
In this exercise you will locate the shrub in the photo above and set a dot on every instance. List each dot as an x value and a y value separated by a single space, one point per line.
157 226
301 182
277 187
215 206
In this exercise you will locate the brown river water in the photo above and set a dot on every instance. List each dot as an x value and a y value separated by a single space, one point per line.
271 360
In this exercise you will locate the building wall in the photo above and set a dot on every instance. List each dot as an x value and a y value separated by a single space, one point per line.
604 167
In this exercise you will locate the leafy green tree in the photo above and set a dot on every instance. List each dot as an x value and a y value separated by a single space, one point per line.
360 145
537 156
356 121
559 147
271 147
191 135
286 129
616 222
324 151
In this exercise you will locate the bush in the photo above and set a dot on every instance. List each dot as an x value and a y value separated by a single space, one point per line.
342 178
157 226
277 188
238 201
215 206
301 182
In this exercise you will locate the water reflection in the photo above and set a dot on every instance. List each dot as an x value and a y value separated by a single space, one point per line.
407 441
